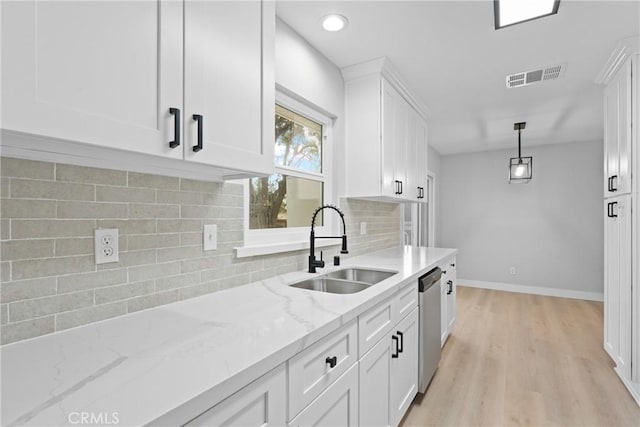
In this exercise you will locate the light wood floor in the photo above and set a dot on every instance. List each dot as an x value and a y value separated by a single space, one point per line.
518 359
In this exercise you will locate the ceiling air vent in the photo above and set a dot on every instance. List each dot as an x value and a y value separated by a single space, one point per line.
534 76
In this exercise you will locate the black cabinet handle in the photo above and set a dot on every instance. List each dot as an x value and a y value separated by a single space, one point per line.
332 361
609 184
613 189
450 283
395 338
452 265
400 187
612 214
609 210
176 127
401 335
198 118
444 271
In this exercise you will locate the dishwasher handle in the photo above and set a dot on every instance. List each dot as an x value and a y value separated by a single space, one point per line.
429 279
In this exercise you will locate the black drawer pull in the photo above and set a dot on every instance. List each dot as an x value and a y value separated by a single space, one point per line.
401 335
450 290
395 338
176 127
198 118
611 187
613 215
332 361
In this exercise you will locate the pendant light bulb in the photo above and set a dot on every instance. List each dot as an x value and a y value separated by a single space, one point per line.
520 170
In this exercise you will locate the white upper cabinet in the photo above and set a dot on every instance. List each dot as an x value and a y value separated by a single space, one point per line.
228 85
617 132
92 79
386 135
101 73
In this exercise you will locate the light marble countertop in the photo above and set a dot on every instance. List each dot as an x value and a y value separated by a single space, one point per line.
188 355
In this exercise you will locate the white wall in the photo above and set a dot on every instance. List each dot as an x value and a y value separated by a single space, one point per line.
433 165
306 73
550 230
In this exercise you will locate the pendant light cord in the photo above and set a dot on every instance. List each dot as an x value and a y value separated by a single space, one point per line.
519 153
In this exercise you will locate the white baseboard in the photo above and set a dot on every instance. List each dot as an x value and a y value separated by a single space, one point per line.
633 388
535 290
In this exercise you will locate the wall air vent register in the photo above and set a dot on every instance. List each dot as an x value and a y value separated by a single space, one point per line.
528 77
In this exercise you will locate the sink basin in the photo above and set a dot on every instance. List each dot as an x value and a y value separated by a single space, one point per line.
361 275
345 281
332 286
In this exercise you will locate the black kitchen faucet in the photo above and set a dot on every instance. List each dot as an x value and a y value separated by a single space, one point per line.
313 263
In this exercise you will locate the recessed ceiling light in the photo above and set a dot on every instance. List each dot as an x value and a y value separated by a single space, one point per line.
510 12
334 22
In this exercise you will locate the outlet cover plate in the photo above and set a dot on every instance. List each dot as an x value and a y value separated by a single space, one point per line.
106 245
210 237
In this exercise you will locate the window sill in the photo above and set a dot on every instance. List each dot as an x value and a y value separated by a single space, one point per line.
255 250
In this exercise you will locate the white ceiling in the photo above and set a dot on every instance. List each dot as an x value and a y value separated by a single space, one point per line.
456 62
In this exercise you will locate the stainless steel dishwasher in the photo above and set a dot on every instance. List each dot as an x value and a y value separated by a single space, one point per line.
429 347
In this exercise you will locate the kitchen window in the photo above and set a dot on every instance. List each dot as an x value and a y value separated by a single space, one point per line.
278 208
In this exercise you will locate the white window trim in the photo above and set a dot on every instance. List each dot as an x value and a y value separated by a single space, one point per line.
271 241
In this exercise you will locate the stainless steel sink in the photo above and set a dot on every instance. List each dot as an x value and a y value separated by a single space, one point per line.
361 275
345 281
332 286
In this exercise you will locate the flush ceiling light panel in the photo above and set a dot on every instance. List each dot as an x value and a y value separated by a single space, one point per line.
534 76
511 12
334 22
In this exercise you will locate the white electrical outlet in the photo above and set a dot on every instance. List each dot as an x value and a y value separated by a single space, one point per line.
363 228
106 245
512 271
210 237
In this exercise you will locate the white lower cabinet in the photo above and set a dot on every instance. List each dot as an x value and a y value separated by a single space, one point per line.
404 368
617 291
389 375
312 370
375 384
261 403
336 406
448 293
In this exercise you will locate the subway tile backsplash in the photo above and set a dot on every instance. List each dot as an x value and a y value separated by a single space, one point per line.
48 214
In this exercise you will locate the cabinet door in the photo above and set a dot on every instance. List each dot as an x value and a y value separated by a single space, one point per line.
99 72
261 403
404 368
444 318
229 82
451 301
375 384
336 406
617 133
411 160
390 100
421 158
618 296
400 147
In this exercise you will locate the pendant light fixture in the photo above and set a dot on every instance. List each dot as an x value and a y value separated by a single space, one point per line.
520 168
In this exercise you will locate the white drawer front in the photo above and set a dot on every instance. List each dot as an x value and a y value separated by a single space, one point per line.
375 323
406 300
310 372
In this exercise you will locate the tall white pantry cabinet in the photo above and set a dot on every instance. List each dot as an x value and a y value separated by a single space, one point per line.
621 75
